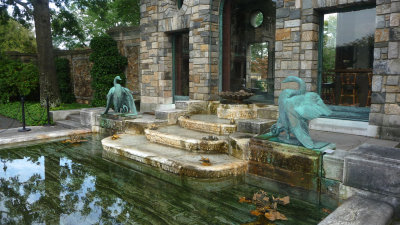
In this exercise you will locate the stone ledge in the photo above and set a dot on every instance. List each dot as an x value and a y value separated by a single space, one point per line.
373 168
137 126
255 126
171 115
177 137
344 126
193 106
214 128
63 114
333 165
360 211
38 134
270 112
174 160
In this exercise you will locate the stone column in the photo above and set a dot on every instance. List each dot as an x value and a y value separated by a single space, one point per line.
296 44
385 108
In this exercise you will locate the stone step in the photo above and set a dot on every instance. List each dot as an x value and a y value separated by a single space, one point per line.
190 140
138 148
207 123
145 121
269 112
255 126
69 124
75 117
171 115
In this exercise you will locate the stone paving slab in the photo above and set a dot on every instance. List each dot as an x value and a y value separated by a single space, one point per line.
12 136
172 159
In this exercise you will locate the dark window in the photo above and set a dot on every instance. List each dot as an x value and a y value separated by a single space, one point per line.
347 57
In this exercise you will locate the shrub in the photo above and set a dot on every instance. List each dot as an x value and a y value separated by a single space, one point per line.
107 63
17 79
64 80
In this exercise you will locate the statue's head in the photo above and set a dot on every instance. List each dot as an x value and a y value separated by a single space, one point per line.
118 78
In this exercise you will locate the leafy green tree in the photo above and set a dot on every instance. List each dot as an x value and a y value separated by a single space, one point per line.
39 11
15 37
98 16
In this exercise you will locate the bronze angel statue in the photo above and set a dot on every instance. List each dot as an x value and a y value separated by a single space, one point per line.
296 108
121 99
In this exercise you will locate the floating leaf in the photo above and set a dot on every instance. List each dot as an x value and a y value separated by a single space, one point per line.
203 159
284 200
244 199
255 213
205 164
274 215
326 210
270 215
115 137
280 216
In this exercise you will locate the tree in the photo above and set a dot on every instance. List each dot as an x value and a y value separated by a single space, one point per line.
23 11
98 16
15 37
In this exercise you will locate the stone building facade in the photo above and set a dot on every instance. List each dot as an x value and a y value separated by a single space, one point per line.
295 50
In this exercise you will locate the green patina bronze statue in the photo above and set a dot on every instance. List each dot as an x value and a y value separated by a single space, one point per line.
296 108
121 99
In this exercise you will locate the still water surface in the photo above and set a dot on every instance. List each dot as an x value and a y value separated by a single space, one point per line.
56 183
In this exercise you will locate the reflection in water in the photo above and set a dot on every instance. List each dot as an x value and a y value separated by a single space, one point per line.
60 184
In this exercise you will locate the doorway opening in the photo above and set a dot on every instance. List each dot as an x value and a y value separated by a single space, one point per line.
181 66
248 40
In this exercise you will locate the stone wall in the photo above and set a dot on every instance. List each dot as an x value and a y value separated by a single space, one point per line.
297 53
128 44
128 40
159 21
80 67
385 108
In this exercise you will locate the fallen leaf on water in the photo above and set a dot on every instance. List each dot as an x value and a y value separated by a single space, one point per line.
255 213
284 200
115 137
206 160
270 215
205 164
275 215
326 210
244 199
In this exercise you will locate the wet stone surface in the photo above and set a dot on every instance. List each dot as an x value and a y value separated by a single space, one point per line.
57 183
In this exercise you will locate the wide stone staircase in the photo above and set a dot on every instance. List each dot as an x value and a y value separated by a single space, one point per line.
180 141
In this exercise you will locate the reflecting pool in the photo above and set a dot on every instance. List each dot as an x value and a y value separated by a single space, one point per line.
61 183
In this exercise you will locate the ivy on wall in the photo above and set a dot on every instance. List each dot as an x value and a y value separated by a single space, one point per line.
107 64
64 80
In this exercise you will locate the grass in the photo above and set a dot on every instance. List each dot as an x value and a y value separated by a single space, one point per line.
35 114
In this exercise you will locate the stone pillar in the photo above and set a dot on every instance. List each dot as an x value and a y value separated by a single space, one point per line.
385 108
159 21
149 58
296 52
